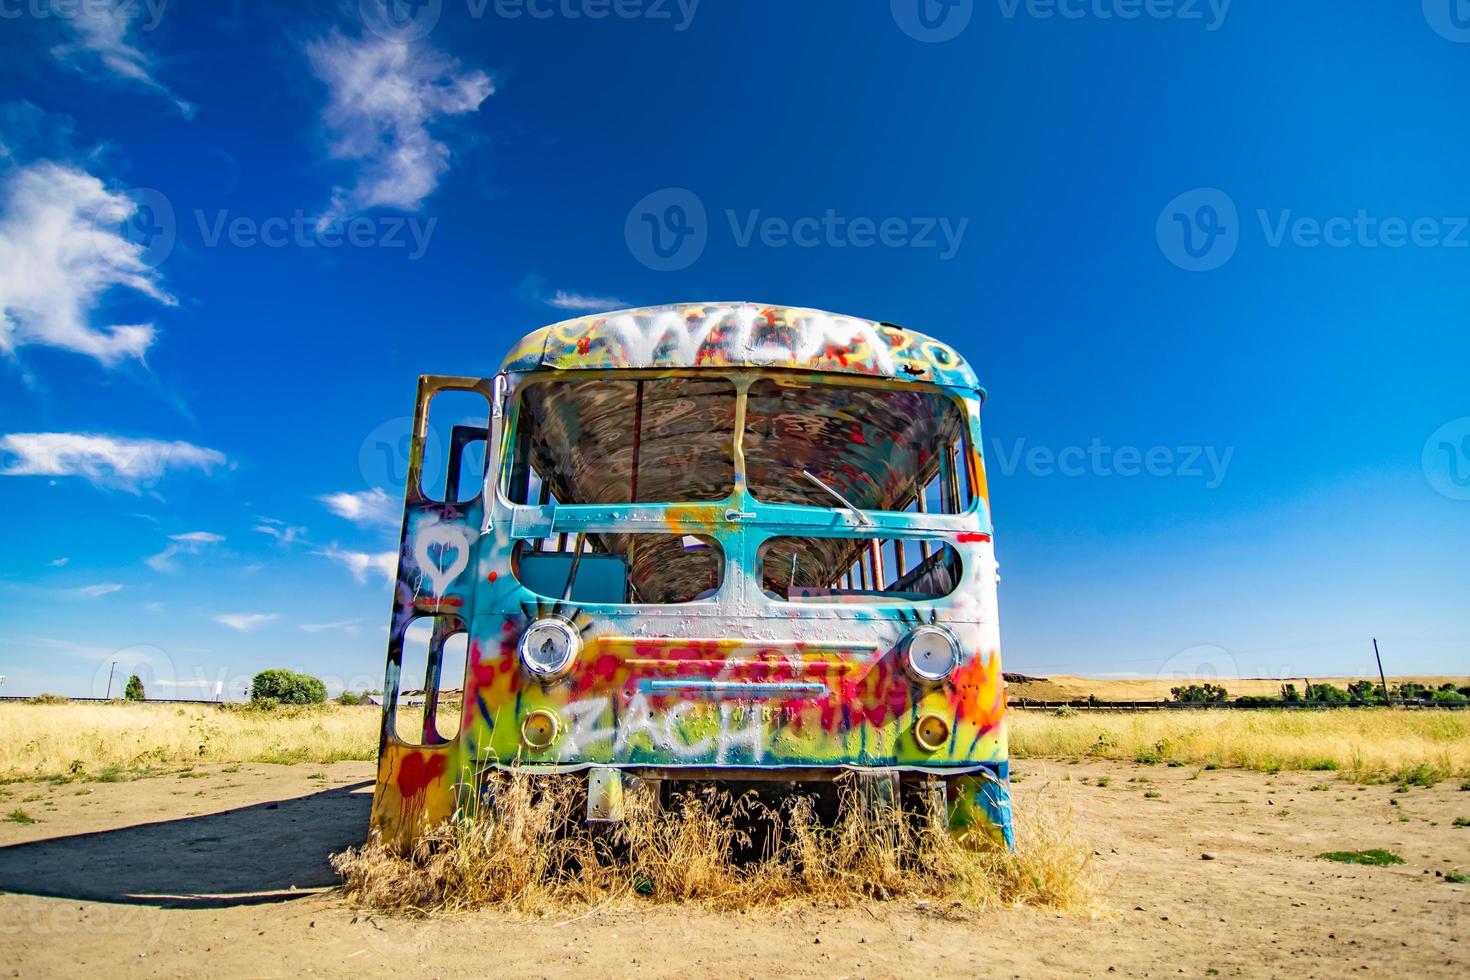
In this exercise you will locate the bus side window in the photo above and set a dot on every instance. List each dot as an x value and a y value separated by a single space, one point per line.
455 446
428 704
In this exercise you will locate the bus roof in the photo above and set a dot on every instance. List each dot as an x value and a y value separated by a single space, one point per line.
723 335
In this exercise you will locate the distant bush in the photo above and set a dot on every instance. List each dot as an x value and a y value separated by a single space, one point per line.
354 697
49 699
286 687
1199 694
1290 694
1327 693
134 690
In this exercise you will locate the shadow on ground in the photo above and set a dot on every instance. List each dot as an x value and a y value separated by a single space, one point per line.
237 857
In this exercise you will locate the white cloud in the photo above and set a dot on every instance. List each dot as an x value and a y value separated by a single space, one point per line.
107 461
188 543
101 589
279 530
365 507
360 563
103 30
58 562
342 626
382 96
245 622
60 250
564 300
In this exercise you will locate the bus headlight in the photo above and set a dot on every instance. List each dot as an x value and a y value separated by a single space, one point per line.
548 648
930 654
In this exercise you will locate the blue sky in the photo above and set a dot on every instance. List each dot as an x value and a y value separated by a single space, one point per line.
1210 260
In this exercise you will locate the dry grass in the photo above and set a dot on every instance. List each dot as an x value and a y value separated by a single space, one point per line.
88 739
1362 741
529 853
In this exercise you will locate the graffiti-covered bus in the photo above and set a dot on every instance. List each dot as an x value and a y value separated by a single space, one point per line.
702 542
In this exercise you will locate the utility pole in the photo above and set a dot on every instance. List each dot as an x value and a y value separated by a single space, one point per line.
109 680
1381 679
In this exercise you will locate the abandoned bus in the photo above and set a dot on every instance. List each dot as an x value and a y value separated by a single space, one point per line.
711 542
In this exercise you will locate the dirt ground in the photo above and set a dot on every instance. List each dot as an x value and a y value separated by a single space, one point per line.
223 870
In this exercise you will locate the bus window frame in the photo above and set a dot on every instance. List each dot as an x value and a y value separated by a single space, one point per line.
501 468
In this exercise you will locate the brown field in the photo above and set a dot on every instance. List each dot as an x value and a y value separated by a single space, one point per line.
222 868
1061 687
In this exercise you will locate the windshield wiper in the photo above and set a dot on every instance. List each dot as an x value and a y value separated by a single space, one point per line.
851 507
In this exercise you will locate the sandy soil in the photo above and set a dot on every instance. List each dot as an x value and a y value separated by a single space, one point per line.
1062 687
225 871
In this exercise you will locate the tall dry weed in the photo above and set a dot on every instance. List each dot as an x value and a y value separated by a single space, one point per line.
529 852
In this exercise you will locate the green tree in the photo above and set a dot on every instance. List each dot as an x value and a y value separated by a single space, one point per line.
134 690
1327 694
1199 694
277 686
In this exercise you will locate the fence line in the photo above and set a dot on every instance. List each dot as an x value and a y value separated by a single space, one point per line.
1032 704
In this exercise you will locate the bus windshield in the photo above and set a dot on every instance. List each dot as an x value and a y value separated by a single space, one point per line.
810 442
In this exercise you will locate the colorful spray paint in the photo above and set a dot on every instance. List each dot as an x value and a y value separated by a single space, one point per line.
739 679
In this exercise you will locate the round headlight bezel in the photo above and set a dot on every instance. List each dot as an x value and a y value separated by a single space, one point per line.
916 659
540 632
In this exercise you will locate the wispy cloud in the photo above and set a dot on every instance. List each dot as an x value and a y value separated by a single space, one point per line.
533 289
365 507
104 31
382 97
245 622
58 562
101 589
360 563
342 626
188 543
280 530
564 300
61 250
106 461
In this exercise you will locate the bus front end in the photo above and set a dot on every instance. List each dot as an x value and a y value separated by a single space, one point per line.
712 542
